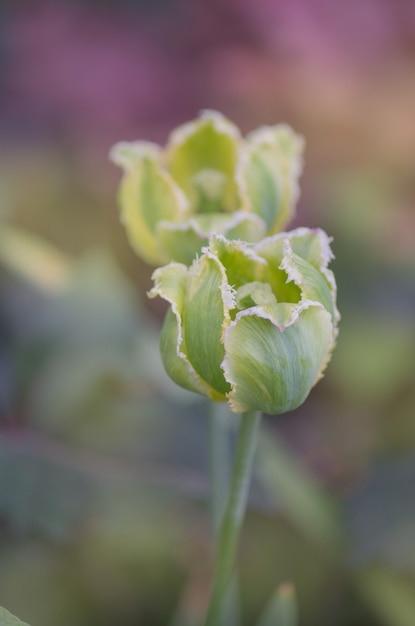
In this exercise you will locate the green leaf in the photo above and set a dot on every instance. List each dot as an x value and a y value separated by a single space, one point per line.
391 597
7 619
34 259
298 494
282 608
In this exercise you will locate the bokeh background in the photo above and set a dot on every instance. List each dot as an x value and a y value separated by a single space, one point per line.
104 464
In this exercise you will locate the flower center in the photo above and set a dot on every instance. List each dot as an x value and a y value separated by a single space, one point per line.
209 185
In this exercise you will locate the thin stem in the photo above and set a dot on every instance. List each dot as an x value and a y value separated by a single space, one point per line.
220 425
234 514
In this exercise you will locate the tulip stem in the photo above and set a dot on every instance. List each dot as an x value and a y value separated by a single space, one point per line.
227 543
222 424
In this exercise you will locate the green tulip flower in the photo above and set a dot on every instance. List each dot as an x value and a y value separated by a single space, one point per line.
251 324
207 180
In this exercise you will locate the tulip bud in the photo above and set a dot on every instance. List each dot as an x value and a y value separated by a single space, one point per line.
207 180
251 324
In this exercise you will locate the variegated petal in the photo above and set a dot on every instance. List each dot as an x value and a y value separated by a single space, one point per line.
171 284
201 156
270 365
127 154
182 242
206 315
302 255
148 195
269 166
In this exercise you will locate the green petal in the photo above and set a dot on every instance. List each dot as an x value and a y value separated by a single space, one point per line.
314 246
127 154
238 225
271 250
268 170
201 156
302 257
255 294
148 195
205 315
312 284
7 619
241 263
176 363
245 227
171 284
182 242
308 268
273 368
